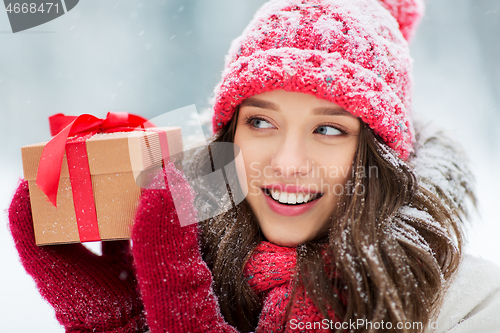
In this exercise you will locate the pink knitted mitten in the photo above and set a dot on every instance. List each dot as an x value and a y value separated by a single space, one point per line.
89 293
175 282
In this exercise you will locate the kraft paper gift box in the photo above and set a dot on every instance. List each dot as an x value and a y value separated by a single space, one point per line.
116 161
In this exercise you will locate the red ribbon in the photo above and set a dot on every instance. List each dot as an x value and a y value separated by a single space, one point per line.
81 186
62 127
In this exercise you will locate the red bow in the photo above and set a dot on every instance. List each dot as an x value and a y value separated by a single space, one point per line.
62 127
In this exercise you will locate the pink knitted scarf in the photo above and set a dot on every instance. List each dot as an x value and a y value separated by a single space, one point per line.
270 272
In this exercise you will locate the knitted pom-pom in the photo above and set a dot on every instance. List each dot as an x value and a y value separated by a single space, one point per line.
408 14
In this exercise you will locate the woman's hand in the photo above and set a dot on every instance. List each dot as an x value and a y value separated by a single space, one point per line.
89 293
175 282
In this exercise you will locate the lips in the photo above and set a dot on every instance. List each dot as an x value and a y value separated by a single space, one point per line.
290 200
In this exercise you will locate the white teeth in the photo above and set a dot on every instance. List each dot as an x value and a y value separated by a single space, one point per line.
292 198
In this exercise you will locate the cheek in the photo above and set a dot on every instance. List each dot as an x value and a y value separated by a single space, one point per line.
337 169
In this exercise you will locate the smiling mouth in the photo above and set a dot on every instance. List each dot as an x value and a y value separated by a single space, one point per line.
292 199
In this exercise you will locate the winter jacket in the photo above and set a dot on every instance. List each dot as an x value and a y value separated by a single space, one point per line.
472 302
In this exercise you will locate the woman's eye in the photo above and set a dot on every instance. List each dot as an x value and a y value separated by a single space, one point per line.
261 123
327 130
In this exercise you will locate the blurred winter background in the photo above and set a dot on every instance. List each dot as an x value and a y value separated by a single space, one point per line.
149 57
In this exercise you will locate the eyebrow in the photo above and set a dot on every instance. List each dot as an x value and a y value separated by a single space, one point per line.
320 111
258 103
331 111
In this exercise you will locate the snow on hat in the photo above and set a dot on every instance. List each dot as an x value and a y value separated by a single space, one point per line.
350 52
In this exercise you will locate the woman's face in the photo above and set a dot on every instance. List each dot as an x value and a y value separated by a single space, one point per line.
298 152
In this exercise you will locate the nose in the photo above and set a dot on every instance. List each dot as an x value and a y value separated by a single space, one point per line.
291 158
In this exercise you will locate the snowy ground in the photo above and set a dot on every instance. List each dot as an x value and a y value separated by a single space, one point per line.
152 57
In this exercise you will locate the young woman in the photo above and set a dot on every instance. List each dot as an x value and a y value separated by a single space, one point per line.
351 223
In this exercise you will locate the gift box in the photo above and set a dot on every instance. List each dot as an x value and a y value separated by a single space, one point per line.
99 183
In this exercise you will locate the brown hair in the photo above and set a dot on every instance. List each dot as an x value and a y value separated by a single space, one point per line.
393 263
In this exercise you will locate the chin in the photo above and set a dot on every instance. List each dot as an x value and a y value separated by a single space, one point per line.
283 240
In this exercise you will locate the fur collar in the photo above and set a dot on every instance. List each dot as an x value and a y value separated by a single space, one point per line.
442 167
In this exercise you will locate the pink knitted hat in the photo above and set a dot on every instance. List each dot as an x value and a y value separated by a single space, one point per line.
351 52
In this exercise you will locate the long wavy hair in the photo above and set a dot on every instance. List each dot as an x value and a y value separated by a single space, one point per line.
393 243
